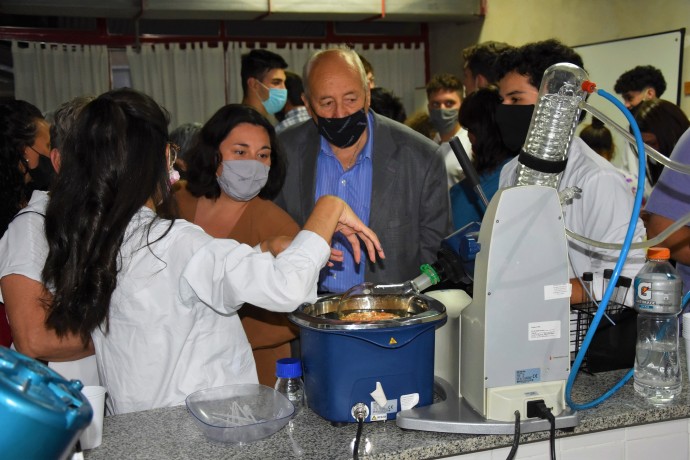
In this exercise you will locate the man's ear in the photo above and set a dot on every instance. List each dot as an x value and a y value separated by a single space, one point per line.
307 105
648 93
55 159
251 83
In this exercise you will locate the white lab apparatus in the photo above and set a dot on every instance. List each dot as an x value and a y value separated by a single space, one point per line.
514 340
515 333
447 340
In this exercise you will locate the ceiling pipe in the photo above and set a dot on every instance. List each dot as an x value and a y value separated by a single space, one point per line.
269 8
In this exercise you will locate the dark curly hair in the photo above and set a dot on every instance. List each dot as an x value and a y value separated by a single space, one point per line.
205 157
445 82
113 162
481 58
532 59
478 116
17 130
639 78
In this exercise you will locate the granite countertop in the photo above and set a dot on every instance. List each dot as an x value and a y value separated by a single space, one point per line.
170 433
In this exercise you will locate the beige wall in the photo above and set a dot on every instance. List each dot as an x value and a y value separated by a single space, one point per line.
574 22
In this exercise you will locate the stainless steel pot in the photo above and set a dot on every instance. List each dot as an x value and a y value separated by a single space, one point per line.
408 309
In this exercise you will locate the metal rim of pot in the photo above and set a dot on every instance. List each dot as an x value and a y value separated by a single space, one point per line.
435 311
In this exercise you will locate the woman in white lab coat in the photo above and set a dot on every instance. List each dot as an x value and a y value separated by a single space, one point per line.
157 296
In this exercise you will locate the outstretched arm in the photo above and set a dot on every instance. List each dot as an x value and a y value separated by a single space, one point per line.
331 214
24 299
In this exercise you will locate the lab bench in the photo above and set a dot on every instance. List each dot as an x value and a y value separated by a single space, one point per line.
170 433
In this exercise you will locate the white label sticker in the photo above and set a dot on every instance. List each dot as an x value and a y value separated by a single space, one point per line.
381 413
409 401
544 330
557 291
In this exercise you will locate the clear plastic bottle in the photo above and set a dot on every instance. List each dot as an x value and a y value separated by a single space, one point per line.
289 381
553 125
658 294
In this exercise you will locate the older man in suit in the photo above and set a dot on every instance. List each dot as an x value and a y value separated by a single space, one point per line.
391 176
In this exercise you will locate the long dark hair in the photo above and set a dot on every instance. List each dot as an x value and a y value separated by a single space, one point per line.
667 122
478 116
17 130
113 161
204 158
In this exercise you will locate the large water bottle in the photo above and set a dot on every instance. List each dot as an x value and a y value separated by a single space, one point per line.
544 155
658 294
289 381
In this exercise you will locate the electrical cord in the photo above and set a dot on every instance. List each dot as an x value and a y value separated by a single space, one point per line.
355 449
544 412
516 437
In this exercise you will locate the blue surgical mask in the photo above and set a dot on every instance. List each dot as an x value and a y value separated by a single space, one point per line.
276 99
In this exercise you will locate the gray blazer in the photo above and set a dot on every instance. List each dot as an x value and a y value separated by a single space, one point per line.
409 199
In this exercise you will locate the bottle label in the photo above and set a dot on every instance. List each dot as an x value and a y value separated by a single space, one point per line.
658 296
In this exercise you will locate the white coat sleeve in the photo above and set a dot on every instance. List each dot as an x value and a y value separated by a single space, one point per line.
224 274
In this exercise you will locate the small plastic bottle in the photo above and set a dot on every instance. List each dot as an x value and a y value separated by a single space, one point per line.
658 294
289 381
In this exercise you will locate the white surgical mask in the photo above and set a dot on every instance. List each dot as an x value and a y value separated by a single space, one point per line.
243 179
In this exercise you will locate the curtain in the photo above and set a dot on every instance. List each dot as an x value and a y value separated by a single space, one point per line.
398 69
189 82
47 75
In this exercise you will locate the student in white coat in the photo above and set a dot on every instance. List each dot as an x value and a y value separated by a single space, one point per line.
158 297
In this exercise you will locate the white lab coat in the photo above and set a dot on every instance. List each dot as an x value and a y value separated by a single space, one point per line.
173 327
23 251
602 213
453 168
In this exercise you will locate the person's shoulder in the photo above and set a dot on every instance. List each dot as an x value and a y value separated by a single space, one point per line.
403 135
38 201
298 132
589 162
586 168
681 151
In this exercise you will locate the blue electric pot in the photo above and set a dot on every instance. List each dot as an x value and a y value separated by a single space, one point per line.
41 413
344 360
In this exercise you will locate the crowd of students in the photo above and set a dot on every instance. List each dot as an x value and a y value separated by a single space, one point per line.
172 257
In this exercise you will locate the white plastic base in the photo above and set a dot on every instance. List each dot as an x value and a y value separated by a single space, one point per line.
503 402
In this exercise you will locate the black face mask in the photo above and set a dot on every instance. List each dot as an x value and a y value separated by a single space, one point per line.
513 123
343 132
43 175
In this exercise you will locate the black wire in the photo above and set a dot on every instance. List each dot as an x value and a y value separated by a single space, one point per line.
552 435
355 449
516 437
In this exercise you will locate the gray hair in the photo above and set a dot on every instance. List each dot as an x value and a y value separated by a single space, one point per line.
349 55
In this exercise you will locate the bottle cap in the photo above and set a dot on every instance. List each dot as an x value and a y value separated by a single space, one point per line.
588 276
608 273
658 253
288 368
